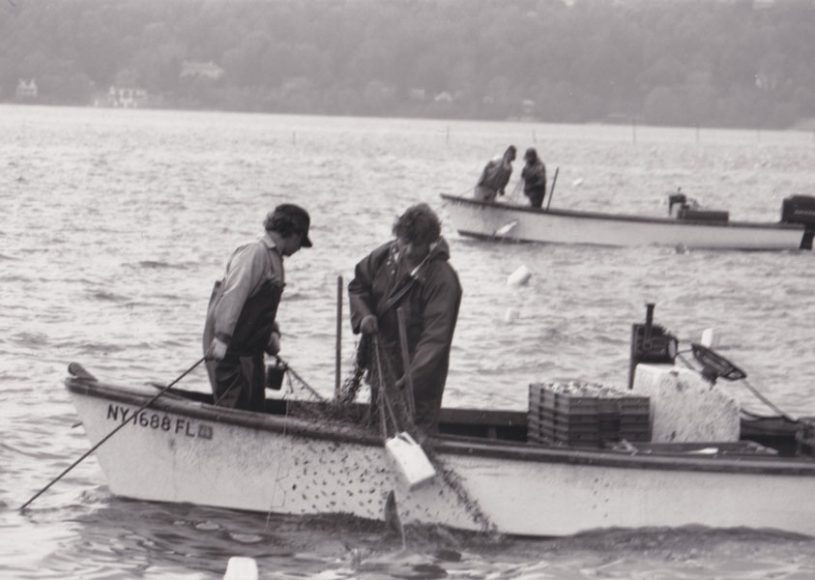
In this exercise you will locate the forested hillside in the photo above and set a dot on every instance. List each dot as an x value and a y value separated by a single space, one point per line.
681 62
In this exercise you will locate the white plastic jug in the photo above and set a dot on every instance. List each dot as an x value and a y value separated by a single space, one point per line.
410 459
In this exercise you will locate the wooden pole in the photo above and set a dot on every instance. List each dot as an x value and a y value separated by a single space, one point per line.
552 190
338 357
403 343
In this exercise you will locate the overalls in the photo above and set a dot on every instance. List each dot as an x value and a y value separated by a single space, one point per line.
238 380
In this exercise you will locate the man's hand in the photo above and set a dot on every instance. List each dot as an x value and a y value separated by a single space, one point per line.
274 343
217 349
369 325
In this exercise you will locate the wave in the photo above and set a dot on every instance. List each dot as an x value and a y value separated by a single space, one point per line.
31 338
159 265
106 296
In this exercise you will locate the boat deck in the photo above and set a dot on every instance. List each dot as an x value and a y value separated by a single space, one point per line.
760 435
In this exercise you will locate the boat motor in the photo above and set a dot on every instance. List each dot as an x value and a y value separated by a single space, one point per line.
800 209
650 343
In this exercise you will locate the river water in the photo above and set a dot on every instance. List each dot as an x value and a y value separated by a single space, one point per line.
114 224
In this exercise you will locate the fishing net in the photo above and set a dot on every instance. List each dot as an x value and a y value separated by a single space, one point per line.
390 408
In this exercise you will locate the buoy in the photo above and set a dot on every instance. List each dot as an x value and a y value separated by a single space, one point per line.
241 568
519 277
577 182
708 338
511 315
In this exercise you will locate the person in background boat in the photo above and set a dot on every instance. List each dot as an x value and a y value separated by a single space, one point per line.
494 178
534 178
240 323
411 271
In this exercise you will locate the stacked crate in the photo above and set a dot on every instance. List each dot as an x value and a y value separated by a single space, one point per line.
585 414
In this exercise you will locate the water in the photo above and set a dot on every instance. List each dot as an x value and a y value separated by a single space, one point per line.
114 224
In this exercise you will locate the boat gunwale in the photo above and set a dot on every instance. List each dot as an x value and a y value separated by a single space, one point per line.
177 404
452 445
621 217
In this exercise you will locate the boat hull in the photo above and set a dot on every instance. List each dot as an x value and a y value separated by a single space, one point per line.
182 451
524 224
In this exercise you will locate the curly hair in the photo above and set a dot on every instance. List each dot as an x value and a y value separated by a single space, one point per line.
419 225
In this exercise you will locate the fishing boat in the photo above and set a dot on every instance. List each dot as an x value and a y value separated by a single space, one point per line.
686 226
494 470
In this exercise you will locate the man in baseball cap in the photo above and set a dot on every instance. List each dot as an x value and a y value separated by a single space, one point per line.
289 217
241 319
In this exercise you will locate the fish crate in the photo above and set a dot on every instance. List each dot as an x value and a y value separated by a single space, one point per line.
585 414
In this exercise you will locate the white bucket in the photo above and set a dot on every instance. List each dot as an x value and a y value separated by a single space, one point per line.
410 459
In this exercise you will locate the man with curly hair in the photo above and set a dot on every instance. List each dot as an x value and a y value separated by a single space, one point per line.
413 272
240 322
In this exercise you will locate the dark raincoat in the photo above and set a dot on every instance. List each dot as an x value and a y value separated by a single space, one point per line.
431 304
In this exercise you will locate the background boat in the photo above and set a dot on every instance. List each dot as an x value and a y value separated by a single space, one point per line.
503 221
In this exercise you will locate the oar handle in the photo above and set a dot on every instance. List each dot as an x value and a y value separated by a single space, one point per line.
111 434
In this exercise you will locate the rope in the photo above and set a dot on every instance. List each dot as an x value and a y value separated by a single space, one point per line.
134 418
772 406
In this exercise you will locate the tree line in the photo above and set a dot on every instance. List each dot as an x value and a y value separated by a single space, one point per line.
735 63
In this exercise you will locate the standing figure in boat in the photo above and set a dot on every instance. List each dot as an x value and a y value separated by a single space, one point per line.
412 272
534 177
494 178
240 322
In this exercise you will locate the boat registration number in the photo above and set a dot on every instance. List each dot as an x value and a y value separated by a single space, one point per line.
159 421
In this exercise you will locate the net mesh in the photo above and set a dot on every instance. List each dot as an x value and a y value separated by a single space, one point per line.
389 408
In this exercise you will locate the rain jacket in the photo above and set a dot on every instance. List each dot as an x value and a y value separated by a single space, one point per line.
534 176
431 304
494 179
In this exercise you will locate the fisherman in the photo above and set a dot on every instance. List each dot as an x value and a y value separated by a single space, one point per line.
413 272
240 323
534 177
495 176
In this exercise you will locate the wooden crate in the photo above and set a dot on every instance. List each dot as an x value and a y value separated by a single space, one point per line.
585 414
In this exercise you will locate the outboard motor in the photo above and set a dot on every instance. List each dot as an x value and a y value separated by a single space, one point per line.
650 343
800 209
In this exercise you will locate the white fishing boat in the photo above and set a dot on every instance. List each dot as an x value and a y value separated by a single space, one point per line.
687 227
492 474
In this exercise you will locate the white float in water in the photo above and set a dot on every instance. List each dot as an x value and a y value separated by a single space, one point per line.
519 277
577 182
240 568
708 338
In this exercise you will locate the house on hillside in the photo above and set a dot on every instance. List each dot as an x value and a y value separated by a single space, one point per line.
26 90
191 69
124 98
